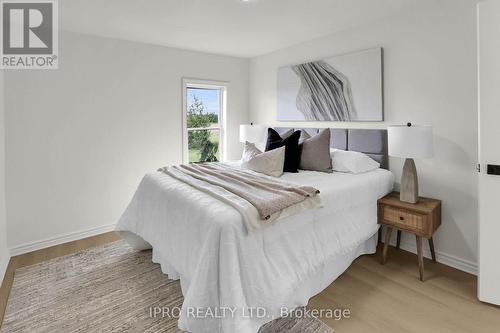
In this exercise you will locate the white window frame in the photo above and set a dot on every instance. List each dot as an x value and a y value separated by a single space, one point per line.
205 84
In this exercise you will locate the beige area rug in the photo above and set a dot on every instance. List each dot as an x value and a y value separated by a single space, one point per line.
108 288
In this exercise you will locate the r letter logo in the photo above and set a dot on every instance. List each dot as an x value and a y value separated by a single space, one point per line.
29 35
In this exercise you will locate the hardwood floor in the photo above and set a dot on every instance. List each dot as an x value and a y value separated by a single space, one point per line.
391 298
381 298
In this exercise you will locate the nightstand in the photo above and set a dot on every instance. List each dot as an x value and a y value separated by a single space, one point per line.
420 219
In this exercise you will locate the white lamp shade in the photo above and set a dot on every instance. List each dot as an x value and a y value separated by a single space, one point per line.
253 133
410 141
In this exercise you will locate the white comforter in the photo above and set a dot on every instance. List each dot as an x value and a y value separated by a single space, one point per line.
203 241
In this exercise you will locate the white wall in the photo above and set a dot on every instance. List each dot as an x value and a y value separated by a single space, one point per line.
429 78
80 138
4 253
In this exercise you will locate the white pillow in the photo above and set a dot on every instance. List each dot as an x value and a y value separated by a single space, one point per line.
269 163
352 161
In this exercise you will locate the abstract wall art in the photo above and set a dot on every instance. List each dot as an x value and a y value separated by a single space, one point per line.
341 88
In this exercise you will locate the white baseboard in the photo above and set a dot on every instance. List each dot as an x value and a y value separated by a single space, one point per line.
4 262
44 243
441 257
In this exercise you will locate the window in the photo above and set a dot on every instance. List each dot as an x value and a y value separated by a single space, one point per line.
203 120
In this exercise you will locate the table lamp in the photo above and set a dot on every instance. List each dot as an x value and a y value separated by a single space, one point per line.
252 133
410 142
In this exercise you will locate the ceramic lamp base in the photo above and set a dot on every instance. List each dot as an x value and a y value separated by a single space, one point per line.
409 182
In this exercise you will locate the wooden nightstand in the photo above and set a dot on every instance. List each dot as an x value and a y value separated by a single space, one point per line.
420 219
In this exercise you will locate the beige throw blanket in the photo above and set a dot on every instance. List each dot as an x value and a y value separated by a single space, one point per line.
268 196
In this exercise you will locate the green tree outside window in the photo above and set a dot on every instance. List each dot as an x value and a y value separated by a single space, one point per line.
203 144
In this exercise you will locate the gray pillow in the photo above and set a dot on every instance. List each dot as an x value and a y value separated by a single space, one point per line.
316 153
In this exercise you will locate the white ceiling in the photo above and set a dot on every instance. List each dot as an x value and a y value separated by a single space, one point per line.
231 27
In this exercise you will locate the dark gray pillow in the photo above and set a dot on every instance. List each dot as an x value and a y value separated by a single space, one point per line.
315 154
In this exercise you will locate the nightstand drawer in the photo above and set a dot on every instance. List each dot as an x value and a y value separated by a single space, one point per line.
404 219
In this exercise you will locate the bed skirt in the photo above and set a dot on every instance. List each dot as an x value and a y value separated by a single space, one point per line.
310 287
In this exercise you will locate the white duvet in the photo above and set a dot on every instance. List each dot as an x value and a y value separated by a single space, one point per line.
203 241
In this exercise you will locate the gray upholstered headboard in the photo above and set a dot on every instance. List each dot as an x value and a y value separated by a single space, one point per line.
372 142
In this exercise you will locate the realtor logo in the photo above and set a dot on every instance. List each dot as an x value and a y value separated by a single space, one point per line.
29 34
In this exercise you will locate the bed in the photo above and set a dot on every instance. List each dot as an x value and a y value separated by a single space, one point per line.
202 241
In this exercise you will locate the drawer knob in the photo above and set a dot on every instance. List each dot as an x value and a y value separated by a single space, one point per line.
401 218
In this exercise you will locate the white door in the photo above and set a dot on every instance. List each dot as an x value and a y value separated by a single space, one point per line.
489 150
